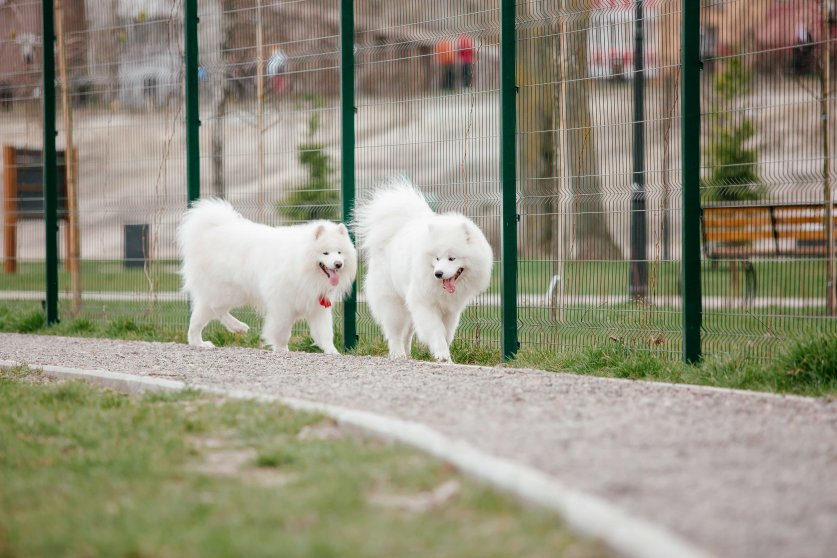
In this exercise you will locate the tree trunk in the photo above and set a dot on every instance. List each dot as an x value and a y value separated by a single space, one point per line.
536 143
669 100
260 103
214 37
828 201
592 239
559 278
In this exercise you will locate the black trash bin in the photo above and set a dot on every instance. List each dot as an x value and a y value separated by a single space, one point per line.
136 245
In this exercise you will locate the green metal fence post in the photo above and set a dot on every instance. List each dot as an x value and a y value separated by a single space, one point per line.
508 176
49 162
690 143
347 163
193 170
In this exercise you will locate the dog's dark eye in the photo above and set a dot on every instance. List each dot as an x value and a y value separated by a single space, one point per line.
325 253
437 259
451 259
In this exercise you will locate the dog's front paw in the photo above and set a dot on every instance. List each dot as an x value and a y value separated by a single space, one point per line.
204 345
331 352
443 359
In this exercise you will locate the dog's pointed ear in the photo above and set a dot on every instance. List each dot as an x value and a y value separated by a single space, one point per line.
341 228
318 232
467 228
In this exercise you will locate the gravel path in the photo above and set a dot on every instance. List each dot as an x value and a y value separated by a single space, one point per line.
738 474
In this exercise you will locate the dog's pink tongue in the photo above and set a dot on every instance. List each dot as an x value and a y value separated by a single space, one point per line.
333 278
449 285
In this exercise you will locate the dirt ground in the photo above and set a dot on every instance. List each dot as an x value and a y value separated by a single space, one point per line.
738 474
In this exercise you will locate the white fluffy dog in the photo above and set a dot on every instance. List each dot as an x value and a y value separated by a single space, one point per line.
285 273
423 268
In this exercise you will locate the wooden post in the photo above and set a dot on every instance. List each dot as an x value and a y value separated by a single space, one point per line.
828 202
9 210
70 160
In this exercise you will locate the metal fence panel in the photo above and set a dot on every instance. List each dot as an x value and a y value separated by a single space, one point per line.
427 96
598 166
767 172
599 147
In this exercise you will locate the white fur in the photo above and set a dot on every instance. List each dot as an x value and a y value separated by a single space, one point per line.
406 245
229 261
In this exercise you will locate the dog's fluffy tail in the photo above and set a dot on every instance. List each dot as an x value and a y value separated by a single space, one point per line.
379 218
204 214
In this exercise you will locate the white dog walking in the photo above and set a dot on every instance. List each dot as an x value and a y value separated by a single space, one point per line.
423 268
285 273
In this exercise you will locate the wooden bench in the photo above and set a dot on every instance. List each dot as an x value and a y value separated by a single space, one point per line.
739 233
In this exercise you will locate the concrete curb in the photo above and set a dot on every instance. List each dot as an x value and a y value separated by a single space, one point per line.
632 536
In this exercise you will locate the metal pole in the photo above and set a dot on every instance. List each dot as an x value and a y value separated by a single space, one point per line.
508 177
639 264
690 142
49 163
193 122
347 163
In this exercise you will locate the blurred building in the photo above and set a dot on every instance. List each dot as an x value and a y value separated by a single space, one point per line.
788 35
20 46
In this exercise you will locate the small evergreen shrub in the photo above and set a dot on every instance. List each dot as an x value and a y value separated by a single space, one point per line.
317 197
734 176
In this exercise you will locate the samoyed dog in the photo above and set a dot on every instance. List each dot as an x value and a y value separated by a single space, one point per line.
423 268
285 273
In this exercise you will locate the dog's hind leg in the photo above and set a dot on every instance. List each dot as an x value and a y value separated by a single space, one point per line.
201 315
233 324
277 331
395 322
321 324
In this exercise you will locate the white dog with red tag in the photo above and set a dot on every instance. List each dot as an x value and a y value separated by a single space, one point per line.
286 273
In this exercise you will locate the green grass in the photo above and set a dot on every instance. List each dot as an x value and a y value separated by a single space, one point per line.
772 352
785 278
802 367
89 472
97 276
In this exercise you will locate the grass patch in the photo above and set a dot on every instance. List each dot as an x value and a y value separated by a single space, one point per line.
761 360
98 275
91 472
776 278
802 367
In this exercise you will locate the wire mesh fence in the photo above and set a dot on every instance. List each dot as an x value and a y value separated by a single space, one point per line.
269 103
767 172
599 153
427 94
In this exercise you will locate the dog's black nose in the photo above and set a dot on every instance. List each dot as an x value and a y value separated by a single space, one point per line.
439 274
338 265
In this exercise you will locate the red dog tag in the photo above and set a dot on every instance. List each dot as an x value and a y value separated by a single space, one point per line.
325 302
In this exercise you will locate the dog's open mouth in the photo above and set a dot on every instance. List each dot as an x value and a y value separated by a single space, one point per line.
333 278
449 284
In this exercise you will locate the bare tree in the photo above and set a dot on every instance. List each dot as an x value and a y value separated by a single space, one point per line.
669 44
828 200
592 239
213 38
536 124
